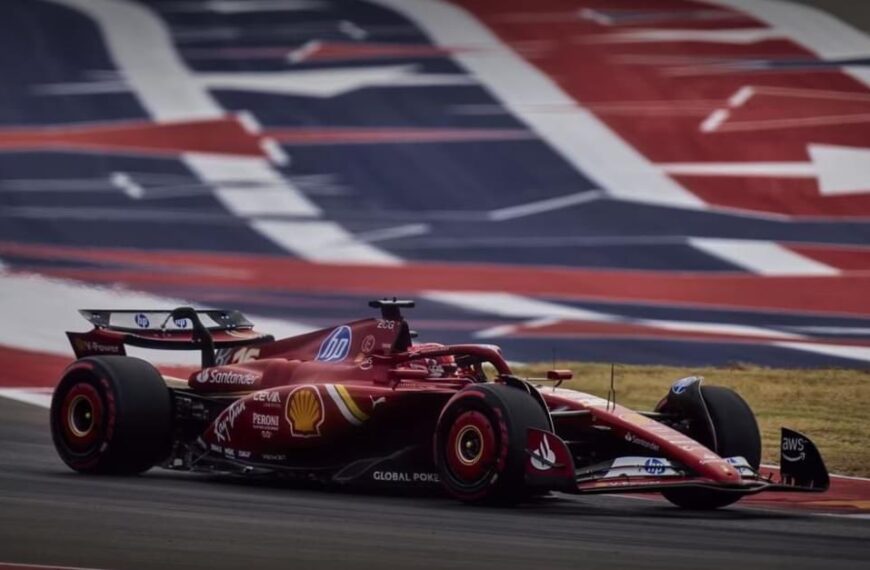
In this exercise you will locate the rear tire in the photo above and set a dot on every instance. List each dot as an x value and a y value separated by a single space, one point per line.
736 434
111 415
480 443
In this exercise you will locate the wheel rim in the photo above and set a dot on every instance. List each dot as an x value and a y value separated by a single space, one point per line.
469 445
81 417
471 448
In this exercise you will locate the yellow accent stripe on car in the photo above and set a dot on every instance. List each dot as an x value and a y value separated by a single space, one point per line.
351 405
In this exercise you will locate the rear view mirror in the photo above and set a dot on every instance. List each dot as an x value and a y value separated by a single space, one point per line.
560 375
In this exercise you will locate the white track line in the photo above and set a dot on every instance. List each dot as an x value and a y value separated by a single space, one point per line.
738 36
275 196
125 183
325 83
324 242
547 205
542 313
30 396
514 306
839 351
741 96
244 6
43 309
762 257
397 232
812 28
741 169
141 46
577 134
714 120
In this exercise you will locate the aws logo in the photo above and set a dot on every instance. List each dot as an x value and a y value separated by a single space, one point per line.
336 346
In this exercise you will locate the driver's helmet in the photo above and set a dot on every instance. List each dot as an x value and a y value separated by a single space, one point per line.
436 366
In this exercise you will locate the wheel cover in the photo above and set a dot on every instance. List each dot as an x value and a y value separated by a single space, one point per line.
81 417
470 448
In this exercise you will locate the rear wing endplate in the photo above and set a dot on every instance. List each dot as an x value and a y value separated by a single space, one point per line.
183 328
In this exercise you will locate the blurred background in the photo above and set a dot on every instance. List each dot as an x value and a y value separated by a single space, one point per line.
639 181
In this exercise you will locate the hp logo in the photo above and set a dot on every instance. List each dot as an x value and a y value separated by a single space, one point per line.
336 346
654 466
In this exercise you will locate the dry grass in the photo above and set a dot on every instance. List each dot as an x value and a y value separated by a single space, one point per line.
830 406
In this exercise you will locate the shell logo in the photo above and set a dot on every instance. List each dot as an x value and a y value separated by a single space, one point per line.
305 411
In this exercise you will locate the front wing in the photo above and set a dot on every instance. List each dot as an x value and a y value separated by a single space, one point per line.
550 465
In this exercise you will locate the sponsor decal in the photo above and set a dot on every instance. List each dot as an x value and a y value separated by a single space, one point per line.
366 364
742 466
335 347
246 355
225 356
273 457
229 377
222 356
709 460
385 324
682 385
82 345
368 344
405 477
270 399
227 420
244 454
182 323
142 321
631 438
793 449
268 422
640 467
305 411
544 457
654 466
346 404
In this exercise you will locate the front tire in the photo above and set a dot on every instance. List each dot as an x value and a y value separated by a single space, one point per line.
736 435
111 415
480 443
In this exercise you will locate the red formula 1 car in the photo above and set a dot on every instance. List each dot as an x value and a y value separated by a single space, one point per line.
361 404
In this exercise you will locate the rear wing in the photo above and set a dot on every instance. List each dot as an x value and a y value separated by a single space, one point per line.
183 328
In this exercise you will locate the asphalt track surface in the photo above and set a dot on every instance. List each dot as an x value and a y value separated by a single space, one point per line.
49 515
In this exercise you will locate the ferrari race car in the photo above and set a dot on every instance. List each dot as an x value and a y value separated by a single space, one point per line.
360 404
